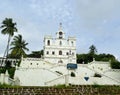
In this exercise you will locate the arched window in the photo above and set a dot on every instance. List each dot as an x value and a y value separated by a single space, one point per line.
47 52
53 53
48 42
72 53
60 35
60 52
67 53
72 43
60 43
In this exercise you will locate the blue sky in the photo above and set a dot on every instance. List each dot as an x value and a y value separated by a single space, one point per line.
90 21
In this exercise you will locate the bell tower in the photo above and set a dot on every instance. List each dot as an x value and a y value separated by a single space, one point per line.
59 49
60 33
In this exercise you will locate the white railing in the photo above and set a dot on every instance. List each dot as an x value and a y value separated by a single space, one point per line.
105 75
112 70
56 79
11 81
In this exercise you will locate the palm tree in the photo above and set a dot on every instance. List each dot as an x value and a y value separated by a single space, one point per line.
19 47
92 53
8 27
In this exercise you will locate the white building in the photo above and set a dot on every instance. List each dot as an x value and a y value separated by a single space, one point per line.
60 50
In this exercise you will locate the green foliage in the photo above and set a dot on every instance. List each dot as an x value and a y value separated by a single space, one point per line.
8 28
104 57
93 50
95 85
2 70
115 64
4 85
8 64
61 86
36 54
18 47
19 63
11 72
84 58
8 86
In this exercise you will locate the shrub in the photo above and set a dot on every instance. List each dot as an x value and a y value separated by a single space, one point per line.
2 70
115 64
11 72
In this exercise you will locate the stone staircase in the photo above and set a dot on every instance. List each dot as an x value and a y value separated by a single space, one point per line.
71 90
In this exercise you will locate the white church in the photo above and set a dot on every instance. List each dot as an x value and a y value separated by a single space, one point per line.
60 50
58 66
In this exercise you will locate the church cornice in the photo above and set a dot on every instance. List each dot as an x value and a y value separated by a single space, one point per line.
61 47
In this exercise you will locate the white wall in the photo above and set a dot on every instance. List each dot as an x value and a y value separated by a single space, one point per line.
38 76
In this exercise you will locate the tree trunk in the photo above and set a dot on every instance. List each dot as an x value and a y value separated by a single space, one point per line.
8 46
6 51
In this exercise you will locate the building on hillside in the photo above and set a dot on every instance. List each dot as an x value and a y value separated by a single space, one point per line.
60 50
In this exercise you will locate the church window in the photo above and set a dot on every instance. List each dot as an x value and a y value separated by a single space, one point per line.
47 52
73 53
67 53
53 53
60 52
48 42
60 43
60 35
72 43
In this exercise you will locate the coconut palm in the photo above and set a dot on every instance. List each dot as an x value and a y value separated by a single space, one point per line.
8 28
19 47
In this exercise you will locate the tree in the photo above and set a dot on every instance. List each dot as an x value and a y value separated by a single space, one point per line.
115 64
93 50
19 47
84 58
36 54
8 27
104 57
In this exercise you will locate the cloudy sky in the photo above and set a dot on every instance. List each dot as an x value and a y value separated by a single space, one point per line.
94 22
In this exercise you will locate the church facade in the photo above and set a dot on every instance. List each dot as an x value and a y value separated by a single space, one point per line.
60 50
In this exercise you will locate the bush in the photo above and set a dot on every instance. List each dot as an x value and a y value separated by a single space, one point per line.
11 72
115 64
2 70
